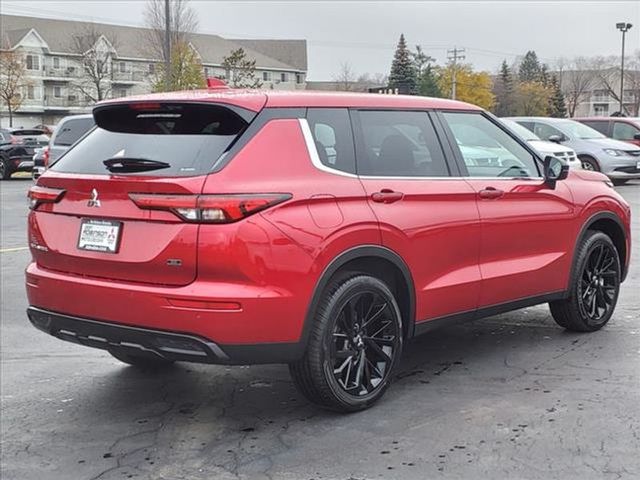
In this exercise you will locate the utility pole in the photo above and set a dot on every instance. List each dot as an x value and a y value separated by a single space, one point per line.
453 56
624 28
167 46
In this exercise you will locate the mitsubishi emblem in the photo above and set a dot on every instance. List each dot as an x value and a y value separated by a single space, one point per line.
93 201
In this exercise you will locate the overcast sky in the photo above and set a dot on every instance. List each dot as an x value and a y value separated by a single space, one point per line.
364 34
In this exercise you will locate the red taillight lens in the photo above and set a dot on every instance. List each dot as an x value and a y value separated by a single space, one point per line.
39 195
45 156
210 208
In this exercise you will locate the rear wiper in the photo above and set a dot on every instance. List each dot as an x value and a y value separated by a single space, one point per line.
133 164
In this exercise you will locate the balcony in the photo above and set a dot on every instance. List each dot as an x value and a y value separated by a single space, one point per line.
59 103
60 74
127 77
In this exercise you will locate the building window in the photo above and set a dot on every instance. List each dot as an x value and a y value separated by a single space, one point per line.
122 92
31 92
299 78
57 92
33 62
284 77
122 67
56 62
601 109
266 76
152 68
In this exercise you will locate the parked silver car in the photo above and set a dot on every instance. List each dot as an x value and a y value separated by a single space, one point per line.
620 161
68 131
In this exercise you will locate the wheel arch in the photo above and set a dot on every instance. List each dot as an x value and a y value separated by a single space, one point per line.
377 261
610 224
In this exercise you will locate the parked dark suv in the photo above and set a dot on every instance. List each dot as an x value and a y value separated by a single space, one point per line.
320 230
17 147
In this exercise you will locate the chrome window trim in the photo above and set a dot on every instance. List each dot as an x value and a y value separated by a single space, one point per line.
315 160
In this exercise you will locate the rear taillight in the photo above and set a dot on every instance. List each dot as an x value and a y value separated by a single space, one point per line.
39 195
210 208
45 156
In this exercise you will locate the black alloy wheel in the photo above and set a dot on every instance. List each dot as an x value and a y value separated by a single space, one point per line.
364 342
354 345
599 283
595 285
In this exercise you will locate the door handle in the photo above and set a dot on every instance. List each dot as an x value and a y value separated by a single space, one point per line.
490 192
386 196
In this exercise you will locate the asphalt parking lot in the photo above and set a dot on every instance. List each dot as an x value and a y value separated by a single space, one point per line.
512 396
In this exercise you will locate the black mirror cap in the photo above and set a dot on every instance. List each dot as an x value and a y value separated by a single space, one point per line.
554 170
555 138
636 136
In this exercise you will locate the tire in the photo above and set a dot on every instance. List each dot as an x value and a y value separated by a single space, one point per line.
142 362
354 345
617 182
589 163
5 169
595 285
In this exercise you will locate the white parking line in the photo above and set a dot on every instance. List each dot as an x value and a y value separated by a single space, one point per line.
14 249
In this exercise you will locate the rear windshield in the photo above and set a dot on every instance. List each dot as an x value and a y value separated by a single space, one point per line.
188 137
71 131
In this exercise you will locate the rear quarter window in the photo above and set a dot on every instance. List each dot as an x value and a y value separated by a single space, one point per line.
189 137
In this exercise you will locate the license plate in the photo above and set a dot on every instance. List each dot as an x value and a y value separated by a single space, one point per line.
99 235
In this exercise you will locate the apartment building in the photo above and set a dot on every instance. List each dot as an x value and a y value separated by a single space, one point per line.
596 99
58 84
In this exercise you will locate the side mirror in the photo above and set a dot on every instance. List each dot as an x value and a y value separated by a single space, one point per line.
555 138
554 170
636 136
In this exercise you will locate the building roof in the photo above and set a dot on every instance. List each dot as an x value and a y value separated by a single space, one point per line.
291 52
129 42
256 99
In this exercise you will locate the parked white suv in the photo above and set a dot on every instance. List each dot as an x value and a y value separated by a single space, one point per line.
566 154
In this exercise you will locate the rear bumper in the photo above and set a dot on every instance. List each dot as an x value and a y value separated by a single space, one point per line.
149 342
264 328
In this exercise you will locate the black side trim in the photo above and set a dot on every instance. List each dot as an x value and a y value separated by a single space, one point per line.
343 259
590 221
463 317
158 343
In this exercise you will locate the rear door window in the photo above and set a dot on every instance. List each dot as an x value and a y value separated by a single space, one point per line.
601 126
188 137
399 144
71 131
331 132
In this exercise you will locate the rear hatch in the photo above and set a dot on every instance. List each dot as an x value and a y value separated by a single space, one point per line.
85 221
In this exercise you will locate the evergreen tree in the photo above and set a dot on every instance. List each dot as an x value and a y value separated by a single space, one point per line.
240 71
530 68
503 90
403 73
428 83
557 107
545 78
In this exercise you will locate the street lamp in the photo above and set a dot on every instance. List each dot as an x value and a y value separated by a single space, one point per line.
624 28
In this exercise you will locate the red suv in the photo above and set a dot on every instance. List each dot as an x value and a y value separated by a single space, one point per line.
316 229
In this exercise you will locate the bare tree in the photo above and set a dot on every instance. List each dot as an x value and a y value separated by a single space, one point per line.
345 78
183 21
94 52
12 80
576 82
